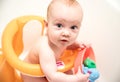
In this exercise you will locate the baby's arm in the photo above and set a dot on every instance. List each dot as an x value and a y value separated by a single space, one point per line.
49 68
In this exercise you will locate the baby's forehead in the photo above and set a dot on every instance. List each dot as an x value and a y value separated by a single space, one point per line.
64 15
62 20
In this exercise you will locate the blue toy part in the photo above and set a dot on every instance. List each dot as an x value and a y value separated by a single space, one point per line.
94 74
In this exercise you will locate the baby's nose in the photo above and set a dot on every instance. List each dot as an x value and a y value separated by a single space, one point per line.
66 33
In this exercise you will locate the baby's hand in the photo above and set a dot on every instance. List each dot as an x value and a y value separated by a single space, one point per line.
82 77
94 74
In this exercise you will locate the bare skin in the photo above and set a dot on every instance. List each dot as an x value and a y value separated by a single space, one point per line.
62 29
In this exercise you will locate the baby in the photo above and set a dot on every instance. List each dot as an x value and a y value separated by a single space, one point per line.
63 23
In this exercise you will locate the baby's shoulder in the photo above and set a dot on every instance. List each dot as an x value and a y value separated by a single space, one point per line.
42 41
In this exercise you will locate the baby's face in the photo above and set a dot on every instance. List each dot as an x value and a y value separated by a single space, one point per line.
64 24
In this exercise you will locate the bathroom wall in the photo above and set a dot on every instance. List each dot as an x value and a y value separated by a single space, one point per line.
100 28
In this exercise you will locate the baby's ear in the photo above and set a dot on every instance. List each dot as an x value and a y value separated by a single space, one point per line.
46 23
46 26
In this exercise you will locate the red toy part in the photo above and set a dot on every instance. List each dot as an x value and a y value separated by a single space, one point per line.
86 52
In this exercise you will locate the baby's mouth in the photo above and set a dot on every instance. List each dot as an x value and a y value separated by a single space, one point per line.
64 40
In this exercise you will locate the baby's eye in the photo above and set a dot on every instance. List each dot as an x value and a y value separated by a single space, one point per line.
59 25
74 27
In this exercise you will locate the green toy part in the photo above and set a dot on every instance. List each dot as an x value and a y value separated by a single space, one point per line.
89 63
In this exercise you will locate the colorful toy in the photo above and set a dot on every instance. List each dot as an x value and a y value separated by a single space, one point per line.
90 67
86 60
12 47
94 74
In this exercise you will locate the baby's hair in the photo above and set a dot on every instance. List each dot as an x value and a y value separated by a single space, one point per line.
66 2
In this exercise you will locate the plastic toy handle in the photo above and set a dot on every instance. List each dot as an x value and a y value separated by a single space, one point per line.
79 60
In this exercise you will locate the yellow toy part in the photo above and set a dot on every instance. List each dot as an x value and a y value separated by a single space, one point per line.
12 45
